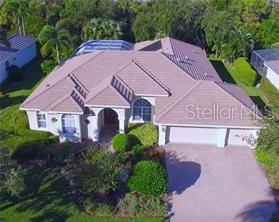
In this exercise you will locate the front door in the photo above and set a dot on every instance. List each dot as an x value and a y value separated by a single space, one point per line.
110 117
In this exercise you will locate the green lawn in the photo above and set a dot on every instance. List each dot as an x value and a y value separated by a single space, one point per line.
47 200
227 74
14 130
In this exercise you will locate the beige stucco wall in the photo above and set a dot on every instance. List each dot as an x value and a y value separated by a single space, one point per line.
54 127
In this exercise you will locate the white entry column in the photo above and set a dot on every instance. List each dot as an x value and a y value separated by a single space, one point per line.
222 137
162 135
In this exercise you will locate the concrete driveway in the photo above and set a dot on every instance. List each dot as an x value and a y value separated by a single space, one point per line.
209 184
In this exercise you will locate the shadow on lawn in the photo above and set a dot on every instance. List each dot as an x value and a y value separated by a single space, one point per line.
260 104
32 74
6 101
222 71
47 193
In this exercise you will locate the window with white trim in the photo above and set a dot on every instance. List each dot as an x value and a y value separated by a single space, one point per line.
68 124
41 120
142 110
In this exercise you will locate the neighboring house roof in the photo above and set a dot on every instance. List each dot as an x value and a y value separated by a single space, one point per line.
273 65
115 78
268 54
17 42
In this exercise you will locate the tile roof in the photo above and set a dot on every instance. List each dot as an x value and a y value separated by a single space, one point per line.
114 78
192 59
240 95
17 42
192 107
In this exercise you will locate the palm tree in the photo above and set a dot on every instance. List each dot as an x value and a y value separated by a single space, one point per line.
99 28
14 11
3 39
54 39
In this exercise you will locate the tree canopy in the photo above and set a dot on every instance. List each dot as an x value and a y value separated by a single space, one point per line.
230 28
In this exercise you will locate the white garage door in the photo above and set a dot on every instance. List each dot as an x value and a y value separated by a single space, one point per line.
237 136
193 135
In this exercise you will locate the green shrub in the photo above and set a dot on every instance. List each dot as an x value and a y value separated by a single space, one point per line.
244 72
100 170
138 150
48 65
121 143
15 73
146 134
264 157
98 209
27 151
139 205
149 178
14 183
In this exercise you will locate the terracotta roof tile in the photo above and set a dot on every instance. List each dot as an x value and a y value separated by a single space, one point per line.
113 78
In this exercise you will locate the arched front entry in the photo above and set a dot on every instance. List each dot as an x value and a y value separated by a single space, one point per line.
110 117
108 124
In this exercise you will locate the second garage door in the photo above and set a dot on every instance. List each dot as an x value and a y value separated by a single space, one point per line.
193 135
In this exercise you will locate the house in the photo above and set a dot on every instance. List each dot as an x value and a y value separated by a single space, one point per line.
21 51
272 73
259 57
266 62
166 82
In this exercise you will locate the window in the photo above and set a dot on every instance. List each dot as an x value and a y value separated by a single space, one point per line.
7 65
142 110
68 124
41 120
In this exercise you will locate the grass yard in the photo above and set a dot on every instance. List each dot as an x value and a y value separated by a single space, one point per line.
228 74
47 200
14 128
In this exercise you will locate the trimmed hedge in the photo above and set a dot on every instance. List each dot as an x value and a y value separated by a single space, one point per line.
145 134
244 72
148 178
121 143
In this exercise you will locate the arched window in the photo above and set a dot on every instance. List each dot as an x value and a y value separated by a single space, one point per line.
68 124
142 110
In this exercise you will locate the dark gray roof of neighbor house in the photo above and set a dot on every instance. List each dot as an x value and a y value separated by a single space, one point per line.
268 54
17 42
273 65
